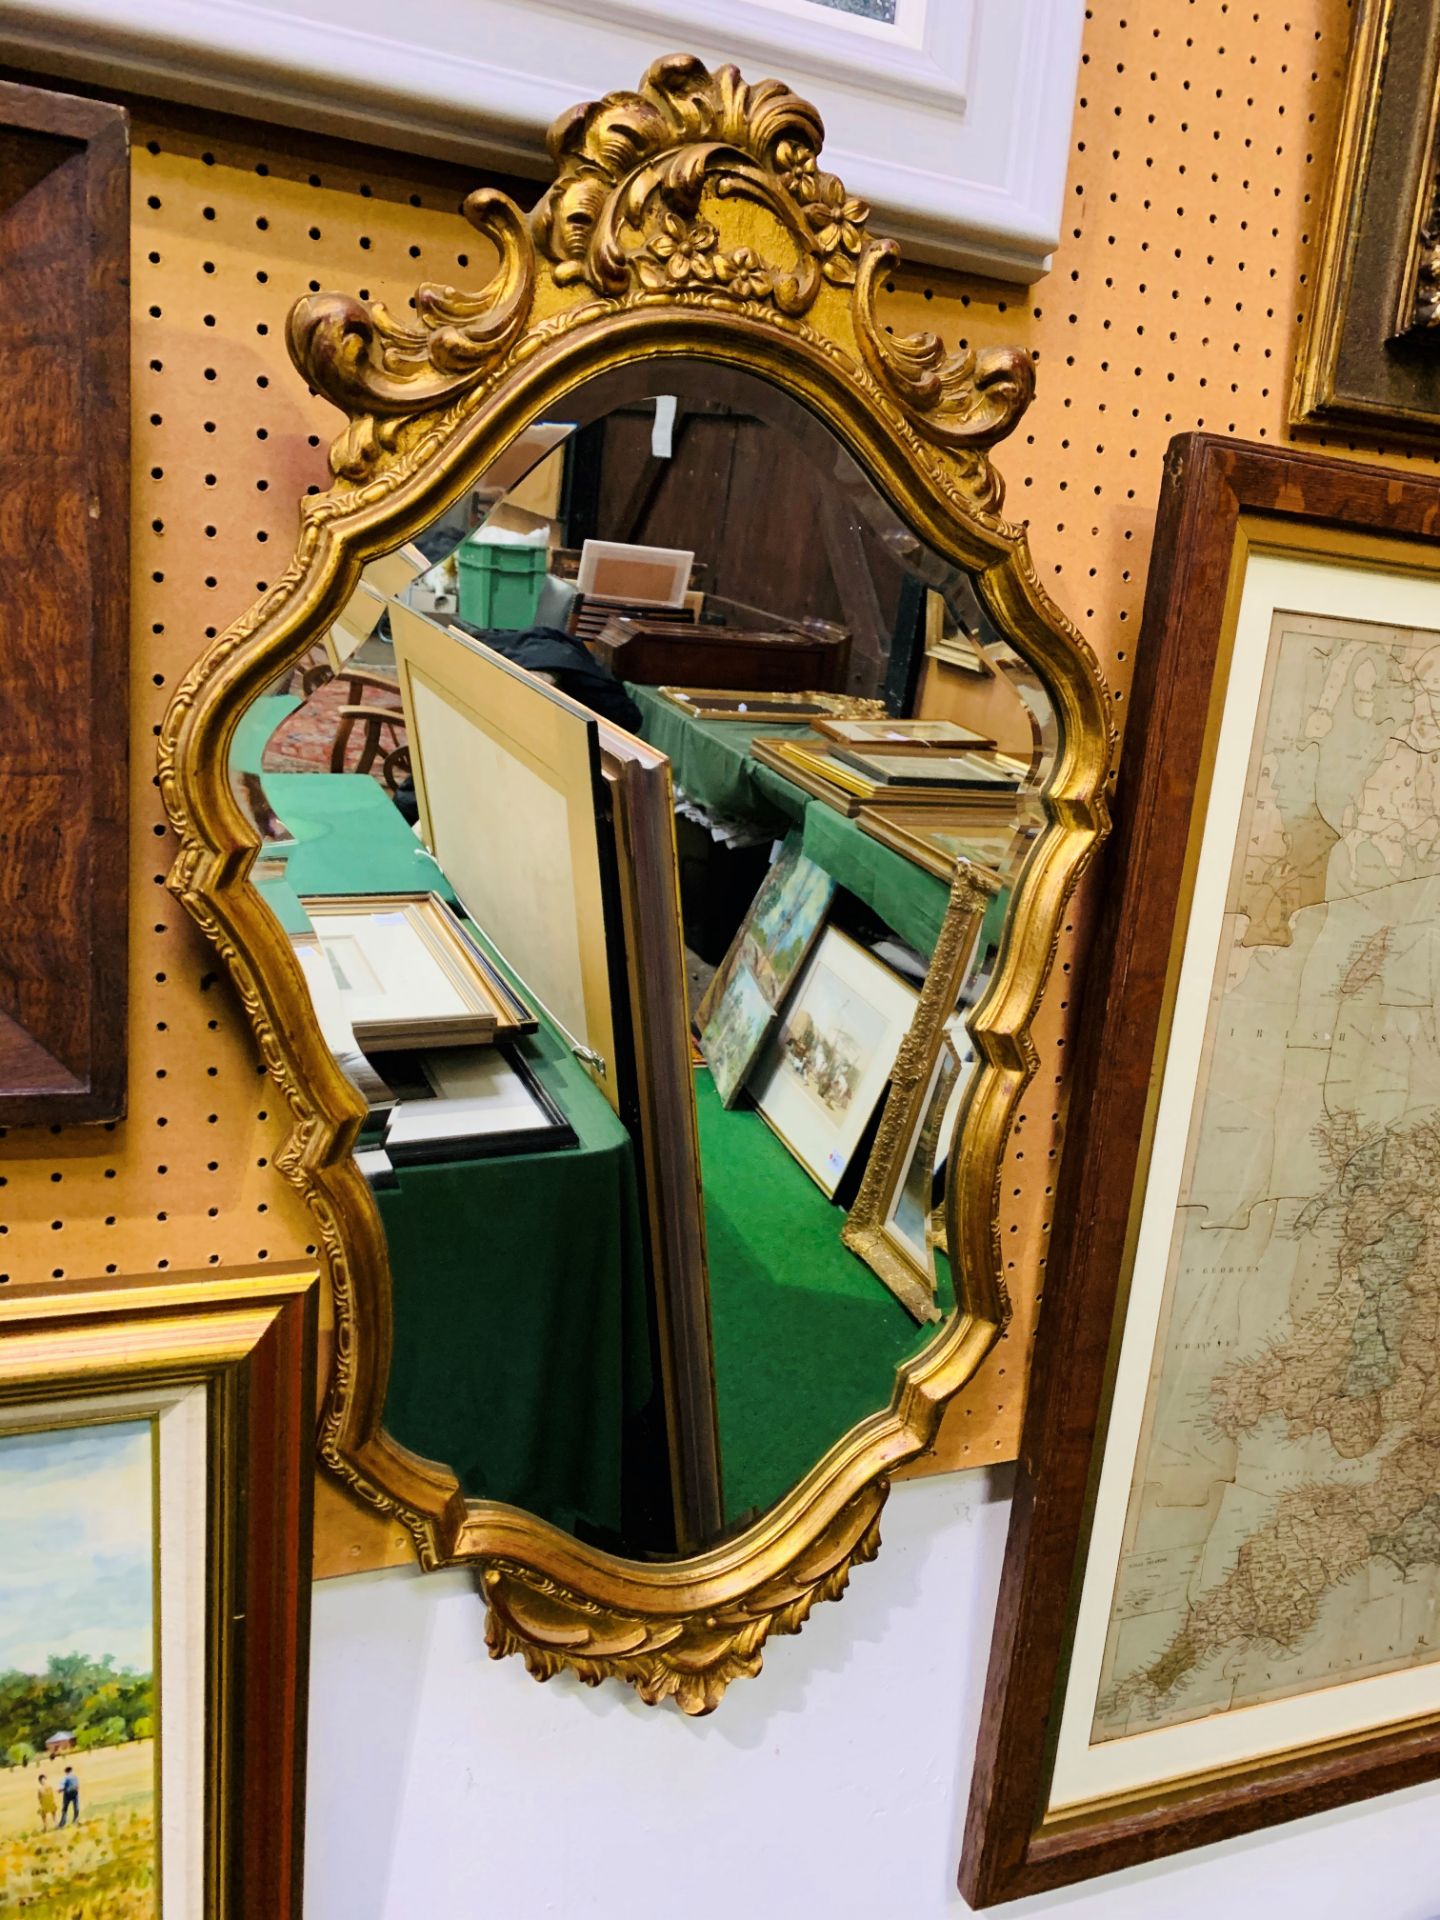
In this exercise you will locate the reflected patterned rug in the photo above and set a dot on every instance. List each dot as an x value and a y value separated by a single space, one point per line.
303 740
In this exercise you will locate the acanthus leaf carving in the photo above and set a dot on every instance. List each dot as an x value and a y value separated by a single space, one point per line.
963 401
631 169
382 372
624 219
690 1657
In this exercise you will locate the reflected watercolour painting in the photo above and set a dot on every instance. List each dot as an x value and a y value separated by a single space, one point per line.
78 1719
738 1012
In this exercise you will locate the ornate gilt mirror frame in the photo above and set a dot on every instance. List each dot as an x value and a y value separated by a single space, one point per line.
688 218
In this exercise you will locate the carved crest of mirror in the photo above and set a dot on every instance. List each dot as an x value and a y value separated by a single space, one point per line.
650 984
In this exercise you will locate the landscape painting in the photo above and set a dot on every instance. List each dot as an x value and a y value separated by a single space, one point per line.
757 974
77 1672
825 1068
882 10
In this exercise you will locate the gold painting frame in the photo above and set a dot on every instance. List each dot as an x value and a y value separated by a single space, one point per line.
690 217
866 1229
240 1347
1367 358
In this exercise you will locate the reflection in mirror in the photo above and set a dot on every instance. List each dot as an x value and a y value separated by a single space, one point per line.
646 830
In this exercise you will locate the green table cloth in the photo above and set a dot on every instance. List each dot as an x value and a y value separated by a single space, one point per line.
806 1338
713 765
521 1351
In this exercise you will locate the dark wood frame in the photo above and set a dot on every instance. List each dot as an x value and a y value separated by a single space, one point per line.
1370 355
249 1337
64 747
1209 482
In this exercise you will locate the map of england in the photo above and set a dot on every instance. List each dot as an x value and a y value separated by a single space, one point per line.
1283 1527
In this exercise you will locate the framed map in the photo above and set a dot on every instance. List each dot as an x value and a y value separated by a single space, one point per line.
1227 1610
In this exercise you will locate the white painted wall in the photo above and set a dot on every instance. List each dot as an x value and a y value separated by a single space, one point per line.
446 1786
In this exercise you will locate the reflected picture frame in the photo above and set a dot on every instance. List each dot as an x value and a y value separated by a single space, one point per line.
918 1084
765 958
935 840
816 1094
419 978
184 1404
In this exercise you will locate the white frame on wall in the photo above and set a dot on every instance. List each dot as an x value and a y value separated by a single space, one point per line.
954 122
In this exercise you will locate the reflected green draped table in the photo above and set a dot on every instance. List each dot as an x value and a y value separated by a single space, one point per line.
712 764
806 1338
521 1353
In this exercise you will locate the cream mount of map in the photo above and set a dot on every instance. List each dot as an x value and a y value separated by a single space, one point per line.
1283 1525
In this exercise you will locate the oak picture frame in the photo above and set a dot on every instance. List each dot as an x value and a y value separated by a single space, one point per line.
1220 500
65 548
240 1347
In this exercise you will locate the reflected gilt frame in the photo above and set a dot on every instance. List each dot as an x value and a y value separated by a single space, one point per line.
690 217
866 1230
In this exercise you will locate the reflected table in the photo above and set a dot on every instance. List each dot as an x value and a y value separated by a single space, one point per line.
521 1353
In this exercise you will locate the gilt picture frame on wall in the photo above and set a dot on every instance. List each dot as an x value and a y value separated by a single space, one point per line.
154 1606
1217 1606
1370 351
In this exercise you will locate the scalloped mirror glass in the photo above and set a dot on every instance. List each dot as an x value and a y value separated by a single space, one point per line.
646 917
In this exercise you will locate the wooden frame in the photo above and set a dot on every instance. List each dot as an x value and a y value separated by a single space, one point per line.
936 840
427 406
818 767
547 742
65 552
1222 504
450 1140
801 709
1370 353
492 1010
247 1343
890 732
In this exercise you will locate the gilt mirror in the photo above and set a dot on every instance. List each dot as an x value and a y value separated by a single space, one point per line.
638 826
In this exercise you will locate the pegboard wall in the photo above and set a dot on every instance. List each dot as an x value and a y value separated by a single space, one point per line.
1197 176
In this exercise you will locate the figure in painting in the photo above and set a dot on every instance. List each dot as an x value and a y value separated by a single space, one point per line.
69 1797
77 1664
